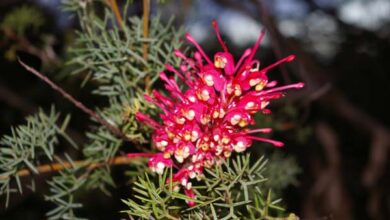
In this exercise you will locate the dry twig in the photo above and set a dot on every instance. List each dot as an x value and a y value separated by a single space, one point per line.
115 9
116 131
55 167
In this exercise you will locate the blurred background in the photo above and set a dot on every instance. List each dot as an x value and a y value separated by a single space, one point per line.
337 128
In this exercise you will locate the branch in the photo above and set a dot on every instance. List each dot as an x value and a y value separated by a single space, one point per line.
145 18
115 9
116 131
55 167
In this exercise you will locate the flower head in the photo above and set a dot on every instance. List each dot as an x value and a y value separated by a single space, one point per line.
207 121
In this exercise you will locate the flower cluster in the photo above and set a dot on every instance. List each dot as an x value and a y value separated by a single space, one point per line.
206 121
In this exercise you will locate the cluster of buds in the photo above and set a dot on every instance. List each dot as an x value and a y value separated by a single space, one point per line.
206 121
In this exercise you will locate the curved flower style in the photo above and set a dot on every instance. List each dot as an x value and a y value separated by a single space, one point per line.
205 122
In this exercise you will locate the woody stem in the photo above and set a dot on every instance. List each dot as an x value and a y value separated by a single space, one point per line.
116 131
145 46
145 18
55 167
115 9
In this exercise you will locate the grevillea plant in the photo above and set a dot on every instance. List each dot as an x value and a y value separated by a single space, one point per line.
204 123
200 122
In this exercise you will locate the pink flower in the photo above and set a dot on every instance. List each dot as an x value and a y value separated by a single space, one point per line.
158 162
206 121
190 193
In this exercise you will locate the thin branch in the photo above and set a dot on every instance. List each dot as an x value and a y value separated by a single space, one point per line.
115 9
145 18
145 46
116 131
55 167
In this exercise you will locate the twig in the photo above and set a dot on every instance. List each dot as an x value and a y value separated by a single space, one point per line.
116 131
115 9
55 167
145 18
145 46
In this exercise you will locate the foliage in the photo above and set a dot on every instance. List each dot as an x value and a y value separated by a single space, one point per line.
62 188
281 172
28 146
22 19
113 56
232 190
